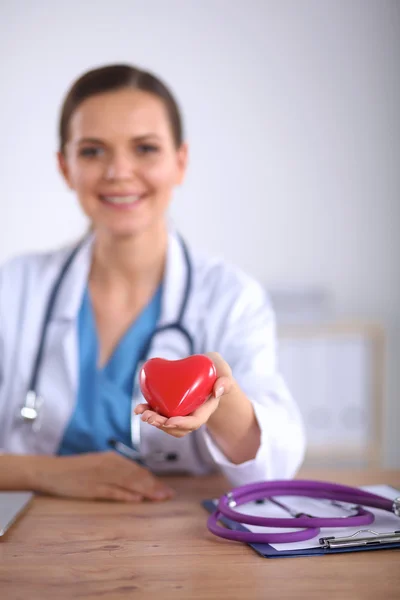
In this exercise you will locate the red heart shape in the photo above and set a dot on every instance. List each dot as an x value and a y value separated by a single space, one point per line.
177 387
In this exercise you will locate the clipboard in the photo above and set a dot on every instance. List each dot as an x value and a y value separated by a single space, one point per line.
383 535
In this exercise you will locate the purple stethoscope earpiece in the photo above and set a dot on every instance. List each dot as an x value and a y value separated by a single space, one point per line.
310 525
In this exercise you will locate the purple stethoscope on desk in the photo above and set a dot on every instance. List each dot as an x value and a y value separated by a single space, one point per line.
310 525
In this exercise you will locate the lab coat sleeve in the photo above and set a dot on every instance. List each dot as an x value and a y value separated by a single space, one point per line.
2 352
11 278
1 331
247 341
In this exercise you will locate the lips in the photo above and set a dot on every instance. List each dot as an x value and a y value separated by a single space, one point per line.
121 200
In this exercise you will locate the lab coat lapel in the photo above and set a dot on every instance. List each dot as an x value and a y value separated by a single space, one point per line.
58 372
61 359
174 281
171 343
68 305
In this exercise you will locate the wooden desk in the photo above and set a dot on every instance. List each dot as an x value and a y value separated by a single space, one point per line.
73 549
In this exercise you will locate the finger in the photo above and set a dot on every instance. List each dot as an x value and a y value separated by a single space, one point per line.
196 419
221 366
153 418
119 472
223 385
148 414
117 494
140 408
155 490
187 424
175 432
138 479
157 420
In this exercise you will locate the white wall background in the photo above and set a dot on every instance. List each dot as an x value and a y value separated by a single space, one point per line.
292 114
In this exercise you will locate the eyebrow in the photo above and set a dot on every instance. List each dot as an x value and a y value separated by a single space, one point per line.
139 138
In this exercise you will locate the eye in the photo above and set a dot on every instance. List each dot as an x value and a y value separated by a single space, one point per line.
146 148
90 152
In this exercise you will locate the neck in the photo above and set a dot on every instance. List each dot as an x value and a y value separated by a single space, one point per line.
130 261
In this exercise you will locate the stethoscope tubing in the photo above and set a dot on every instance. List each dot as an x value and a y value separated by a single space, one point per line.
33 380
312 489
34 401
176 325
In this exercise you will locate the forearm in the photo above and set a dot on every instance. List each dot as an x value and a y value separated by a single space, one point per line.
21 472
234 427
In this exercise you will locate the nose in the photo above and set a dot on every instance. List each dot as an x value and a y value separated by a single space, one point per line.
119 166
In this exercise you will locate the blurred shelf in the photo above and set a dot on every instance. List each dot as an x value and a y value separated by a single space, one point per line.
335 372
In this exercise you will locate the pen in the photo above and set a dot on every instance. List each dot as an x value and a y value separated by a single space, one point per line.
125 450
157 456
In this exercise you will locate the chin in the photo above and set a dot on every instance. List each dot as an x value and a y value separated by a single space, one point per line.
126 230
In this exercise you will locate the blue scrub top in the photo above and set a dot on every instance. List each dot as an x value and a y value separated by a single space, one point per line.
103 407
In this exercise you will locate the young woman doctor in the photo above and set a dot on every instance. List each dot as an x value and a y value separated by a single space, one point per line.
122 152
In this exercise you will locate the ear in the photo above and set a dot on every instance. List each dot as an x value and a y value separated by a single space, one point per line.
182 162
63 169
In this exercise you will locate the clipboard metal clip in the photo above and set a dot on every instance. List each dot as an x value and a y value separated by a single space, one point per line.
352 541
396 506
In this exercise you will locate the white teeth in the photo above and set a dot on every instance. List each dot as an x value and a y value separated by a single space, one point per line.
121 199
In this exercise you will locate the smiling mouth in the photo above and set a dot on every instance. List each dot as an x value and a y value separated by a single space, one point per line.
122 201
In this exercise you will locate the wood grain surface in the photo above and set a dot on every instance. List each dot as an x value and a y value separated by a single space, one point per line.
79 549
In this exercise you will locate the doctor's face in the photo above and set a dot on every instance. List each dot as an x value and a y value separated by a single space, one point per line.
121 160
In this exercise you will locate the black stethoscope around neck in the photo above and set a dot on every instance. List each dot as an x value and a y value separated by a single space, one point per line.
30 411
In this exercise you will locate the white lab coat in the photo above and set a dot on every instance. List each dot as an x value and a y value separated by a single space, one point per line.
227 312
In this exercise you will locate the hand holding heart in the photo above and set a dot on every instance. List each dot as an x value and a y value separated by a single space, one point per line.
178 426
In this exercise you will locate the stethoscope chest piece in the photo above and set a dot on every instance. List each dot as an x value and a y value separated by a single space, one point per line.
30 411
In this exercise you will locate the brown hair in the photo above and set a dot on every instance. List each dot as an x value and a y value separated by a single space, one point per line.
117 77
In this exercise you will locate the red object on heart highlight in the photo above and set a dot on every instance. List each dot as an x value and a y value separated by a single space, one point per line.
177 387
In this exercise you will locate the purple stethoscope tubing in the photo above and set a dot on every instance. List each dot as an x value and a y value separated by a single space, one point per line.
311 525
